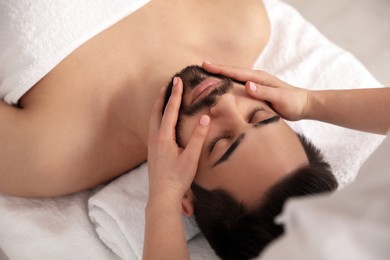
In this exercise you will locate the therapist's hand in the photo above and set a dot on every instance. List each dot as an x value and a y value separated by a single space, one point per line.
171 168
290 102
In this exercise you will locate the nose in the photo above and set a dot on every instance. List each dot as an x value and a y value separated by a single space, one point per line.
226 110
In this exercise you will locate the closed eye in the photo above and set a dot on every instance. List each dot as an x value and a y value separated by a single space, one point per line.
253 113
220 136
226 135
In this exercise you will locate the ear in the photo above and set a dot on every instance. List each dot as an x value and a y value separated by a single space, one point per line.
187 204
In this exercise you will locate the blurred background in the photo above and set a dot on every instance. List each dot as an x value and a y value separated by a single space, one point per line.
361 27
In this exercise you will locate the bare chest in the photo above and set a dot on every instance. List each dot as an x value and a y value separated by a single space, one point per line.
143 51
177 33
149 46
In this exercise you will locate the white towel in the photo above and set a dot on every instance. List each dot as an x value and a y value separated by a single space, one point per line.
37 34
50 228
118 211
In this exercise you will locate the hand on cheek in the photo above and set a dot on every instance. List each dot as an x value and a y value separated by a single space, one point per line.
171 168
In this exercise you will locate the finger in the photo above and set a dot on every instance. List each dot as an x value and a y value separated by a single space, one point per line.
263 92
171 112
156 115
237 73
230 71
194 147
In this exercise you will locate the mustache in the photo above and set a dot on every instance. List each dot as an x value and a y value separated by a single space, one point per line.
225 86
206 102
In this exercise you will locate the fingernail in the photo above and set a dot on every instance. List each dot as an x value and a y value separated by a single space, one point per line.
207 62
174 81
204 120
252 87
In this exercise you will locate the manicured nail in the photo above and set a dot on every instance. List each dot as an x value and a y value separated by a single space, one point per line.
174 81
204 120
252 87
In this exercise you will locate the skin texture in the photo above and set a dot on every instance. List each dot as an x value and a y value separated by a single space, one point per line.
87 121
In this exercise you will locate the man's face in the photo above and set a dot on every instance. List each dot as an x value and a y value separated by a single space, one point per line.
248 148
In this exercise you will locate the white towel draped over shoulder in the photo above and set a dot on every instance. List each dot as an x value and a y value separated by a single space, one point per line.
37 34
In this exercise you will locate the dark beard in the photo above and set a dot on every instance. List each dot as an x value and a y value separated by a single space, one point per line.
191 77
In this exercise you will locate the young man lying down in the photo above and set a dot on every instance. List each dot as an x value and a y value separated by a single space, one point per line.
86 121
222 152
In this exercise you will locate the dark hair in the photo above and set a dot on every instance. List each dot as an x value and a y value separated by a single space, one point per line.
235 231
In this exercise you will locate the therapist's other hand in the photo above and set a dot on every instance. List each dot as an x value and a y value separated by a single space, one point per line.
171 168
290 102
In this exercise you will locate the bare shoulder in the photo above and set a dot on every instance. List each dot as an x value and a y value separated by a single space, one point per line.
65 142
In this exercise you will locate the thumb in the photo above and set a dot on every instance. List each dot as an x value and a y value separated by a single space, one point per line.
261 92
194 146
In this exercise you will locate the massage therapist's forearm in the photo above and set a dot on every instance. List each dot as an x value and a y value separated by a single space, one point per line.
361 109
164 231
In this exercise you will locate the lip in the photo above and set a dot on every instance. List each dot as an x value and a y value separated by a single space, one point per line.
208 84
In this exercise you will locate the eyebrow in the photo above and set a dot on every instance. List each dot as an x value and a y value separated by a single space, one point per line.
267 121
239 139
230 150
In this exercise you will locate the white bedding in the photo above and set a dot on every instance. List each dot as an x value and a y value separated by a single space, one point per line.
32 43
119 214
60 228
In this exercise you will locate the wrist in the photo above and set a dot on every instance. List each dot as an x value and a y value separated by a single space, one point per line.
312 100
164 200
